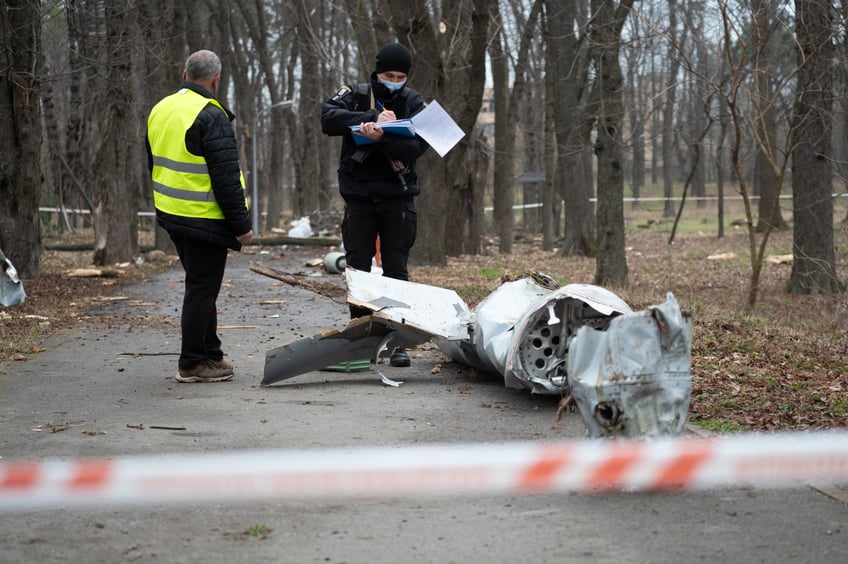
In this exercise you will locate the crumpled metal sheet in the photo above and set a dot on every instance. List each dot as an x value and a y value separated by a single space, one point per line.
409 307
633 379
359 340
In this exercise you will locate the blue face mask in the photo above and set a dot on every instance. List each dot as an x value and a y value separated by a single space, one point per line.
392 86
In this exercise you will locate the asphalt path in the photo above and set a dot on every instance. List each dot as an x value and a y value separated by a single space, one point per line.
104 388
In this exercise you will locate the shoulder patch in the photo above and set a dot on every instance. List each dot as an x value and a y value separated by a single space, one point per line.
343 91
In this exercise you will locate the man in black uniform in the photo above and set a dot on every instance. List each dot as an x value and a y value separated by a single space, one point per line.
378 180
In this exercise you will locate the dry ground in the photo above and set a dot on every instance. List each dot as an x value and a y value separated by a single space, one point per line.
781 367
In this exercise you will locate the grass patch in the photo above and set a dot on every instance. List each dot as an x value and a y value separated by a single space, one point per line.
719 425
256 531
492 274
472 294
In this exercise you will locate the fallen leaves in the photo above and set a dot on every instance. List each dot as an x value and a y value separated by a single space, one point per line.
781 368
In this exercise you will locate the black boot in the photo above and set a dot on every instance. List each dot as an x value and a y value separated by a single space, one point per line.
399 358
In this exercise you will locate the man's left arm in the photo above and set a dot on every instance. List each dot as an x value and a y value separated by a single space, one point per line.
218 145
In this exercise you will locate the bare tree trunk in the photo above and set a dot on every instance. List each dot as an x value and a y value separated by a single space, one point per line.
550 211
737 78
720 162
506 116
458 234
840 112
636 118
165 52
20 136
697 104
115 215
478 163
656 118
611 261
328 79
53 172
365 32
270 183
448 67
307 162
813 268
81 127
504 190
668 111
573 125
765 128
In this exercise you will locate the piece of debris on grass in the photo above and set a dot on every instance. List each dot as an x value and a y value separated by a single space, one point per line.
92 273
780 259
722 256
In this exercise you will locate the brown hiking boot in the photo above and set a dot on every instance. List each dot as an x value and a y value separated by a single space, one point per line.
206 371
221 364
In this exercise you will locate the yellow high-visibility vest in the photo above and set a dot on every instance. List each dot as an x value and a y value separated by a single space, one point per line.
181 182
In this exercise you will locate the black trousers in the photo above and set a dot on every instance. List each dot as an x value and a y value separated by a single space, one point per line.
204 265
395 221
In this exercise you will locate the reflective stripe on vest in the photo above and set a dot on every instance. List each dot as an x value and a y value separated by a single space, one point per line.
181 182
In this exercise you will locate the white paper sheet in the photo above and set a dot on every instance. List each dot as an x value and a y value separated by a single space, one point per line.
437 128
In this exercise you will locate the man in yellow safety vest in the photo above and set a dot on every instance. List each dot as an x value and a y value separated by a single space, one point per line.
198 190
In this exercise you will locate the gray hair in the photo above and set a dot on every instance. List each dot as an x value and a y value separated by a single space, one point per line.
202 66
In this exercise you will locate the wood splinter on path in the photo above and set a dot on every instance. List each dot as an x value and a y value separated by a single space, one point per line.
326 289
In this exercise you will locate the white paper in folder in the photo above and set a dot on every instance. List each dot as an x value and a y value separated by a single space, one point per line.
437 128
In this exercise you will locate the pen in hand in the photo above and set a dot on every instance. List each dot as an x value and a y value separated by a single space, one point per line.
385 114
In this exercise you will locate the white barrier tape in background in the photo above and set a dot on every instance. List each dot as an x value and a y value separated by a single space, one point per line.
775 460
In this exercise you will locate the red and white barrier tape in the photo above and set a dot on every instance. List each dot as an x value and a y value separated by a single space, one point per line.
776 460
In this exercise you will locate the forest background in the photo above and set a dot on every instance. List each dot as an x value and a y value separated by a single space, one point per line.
593 114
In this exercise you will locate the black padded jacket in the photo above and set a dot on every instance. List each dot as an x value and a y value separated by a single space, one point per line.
365 172
212 137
